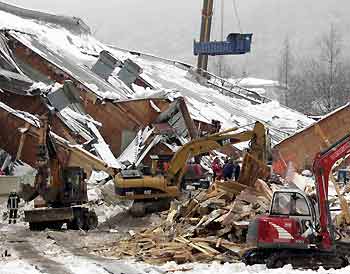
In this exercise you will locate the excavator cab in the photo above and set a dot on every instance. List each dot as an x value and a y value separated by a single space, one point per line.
293 203
74 186
291 222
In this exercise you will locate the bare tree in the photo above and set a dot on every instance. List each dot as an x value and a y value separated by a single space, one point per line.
285 68
330 56
321 83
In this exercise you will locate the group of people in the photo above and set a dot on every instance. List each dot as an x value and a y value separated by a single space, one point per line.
230 170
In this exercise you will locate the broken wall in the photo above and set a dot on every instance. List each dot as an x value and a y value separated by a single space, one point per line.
34 104
10 138
299 150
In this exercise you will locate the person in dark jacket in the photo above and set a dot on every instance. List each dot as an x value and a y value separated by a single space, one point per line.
12 206
229 169
237 171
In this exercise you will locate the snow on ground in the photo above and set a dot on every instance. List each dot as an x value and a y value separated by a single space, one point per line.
79 265
102 198
17 267
86 266
227 268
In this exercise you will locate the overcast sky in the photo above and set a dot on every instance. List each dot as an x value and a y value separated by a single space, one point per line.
168 27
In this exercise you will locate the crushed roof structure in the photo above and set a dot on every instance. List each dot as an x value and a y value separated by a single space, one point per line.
207 102
112 95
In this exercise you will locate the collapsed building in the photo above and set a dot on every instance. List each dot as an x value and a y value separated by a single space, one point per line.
124 106
120 105
111 108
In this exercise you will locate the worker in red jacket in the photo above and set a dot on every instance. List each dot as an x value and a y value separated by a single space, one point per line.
217 169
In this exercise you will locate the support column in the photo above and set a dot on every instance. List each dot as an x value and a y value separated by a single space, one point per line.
207 13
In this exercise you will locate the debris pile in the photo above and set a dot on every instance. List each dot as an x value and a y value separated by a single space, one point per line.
212 225
102 198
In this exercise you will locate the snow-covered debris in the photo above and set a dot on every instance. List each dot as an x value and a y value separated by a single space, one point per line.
254 82
102 198
103 150
94 195
306 173
303 182
206 103
30 118
20 168
132 153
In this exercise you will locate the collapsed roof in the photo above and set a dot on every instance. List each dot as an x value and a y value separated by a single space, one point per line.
43 48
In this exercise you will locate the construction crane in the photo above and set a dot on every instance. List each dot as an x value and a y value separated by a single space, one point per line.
236 43
299 229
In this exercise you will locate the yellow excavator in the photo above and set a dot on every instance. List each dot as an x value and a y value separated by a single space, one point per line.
153 192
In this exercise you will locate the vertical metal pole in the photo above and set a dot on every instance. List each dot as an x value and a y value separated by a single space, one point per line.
221 58
207 13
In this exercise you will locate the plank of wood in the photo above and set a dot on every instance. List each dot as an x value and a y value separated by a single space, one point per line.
343 204
207 247
213 215
22 140
195 246
218 243
262 187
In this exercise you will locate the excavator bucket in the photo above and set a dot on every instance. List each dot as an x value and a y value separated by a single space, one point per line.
252 169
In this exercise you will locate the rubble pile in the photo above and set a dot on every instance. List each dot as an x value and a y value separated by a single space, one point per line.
212 225
102 198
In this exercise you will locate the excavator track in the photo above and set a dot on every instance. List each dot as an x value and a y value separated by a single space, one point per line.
52 218
304 259
141 208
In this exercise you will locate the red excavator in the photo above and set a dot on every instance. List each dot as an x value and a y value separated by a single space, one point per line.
298 229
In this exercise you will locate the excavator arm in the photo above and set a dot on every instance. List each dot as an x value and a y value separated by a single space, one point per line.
322 167
55 154
257 136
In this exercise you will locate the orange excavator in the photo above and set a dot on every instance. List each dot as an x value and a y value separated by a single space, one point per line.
60 183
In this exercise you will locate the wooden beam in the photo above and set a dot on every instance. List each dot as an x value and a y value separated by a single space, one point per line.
22 140
343 204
